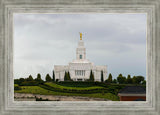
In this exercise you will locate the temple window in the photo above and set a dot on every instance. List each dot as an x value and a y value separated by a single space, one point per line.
80 72
80 56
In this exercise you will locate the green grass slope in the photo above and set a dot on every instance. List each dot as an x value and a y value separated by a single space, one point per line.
42 91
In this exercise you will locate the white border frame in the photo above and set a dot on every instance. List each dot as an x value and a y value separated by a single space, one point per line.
149 107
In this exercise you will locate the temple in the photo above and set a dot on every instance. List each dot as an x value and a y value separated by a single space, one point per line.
81 67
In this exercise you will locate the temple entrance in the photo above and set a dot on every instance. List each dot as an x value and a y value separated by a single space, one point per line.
79 80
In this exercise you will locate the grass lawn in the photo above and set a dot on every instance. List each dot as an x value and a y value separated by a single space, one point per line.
77 88
15 85
39 90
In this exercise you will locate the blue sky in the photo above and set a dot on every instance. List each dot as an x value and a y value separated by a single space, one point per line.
44 40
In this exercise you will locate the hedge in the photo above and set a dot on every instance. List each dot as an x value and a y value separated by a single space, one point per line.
98 90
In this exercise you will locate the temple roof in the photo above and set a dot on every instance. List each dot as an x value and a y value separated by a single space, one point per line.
81 61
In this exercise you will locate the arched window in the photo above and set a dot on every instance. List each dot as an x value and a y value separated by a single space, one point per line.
80 56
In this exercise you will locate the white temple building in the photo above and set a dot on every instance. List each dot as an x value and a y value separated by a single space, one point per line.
81 67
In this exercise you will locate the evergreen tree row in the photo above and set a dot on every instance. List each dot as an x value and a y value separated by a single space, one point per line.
67 76
119 80
123 80
38 80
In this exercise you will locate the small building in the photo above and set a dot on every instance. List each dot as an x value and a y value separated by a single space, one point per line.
80 68
133 93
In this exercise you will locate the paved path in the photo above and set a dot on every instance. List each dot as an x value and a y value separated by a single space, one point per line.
31 97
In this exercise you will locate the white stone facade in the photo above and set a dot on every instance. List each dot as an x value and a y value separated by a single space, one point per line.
80 68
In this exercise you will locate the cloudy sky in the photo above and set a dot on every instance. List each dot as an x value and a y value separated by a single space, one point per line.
44 40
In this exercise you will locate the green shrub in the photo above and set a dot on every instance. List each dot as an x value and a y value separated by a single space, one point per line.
29 83
57 88
76 83
17 87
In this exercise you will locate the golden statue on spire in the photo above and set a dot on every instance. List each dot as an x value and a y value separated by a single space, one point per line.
80 35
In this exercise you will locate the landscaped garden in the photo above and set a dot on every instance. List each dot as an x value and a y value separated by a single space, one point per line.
105 89
47 91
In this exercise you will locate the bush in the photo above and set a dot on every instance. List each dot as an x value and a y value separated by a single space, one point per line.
17 88
76 83
80 91
29 83
48 78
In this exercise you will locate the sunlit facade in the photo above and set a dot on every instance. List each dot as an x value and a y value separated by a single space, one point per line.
80 68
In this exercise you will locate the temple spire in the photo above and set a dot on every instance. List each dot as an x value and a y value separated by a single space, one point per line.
80 36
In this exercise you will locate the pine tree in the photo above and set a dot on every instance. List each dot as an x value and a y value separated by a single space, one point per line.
53 76
30 78
69 77
91 76
110 78
65 76
121 79
48 78
38 79
129 79
114 81
102 76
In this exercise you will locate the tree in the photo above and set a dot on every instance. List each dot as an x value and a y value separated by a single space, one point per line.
121 79
30 78
53 76
134 79
91 76
69 77
48 78
57 80
138 79
144 82
38 79
114 81
110 78
65 76
106 81
129 80
21 80
102 80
